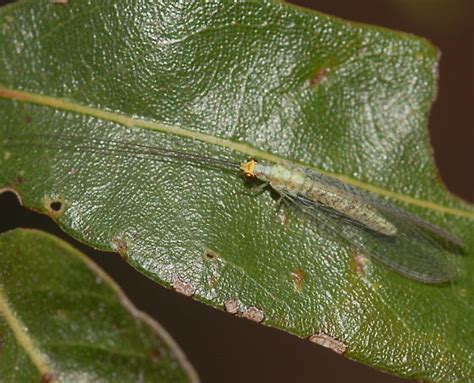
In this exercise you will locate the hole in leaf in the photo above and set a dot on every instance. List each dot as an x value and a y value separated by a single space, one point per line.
56 206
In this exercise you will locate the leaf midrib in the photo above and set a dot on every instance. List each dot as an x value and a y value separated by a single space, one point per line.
71 106
39 360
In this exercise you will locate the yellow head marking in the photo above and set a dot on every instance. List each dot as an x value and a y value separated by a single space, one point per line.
248 168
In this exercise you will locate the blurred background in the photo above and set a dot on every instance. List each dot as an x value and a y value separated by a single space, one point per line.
227 349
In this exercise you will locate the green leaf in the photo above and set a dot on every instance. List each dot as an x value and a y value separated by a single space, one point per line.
63 319
237 80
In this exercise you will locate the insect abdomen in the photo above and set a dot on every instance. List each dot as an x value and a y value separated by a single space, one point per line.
295 182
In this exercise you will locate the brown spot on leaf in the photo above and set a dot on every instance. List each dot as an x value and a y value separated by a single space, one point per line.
298 277
319 76
184 288
48 377
154 355
254 314
28 119
1 344
231 306
329 342
19 180
360 261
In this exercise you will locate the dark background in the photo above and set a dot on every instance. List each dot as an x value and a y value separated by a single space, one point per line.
227 349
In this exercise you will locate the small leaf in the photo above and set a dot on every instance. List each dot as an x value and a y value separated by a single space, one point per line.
236 80
62 319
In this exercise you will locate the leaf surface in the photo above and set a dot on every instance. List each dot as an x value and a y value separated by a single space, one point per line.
236 80
62 319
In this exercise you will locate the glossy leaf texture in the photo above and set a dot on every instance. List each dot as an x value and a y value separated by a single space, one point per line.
236 80
62 319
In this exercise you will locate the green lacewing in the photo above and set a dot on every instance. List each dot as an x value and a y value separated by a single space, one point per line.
402 241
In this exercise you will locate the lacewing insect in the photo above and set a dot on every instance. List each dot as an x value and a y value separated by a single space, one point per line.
407 244
415 248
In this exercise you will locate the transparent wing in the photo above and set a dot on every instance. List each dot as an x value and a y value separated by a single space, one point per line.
387 209
413 252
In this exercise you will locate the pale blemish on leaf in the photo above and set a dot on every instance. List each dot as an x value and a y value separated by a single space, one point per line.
283 218
232 306
361 262
327 341
183 287
254 314
120 245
